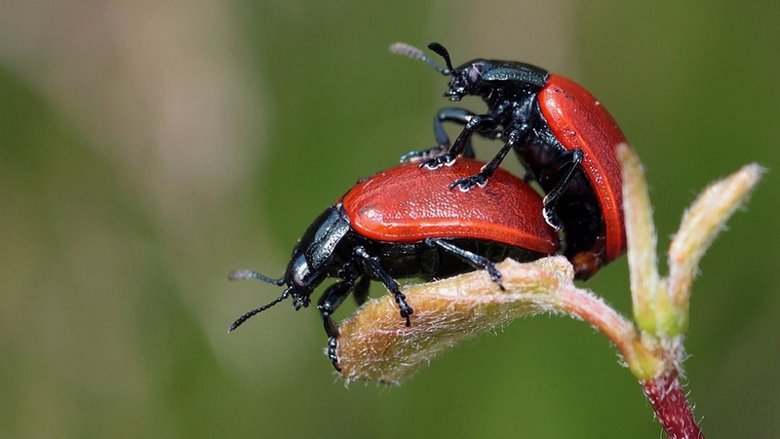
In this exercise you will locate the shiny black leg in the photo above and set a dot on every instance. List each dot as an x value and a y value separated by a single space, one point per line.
481 178
473 259
372 263
483 124
327 305
568 163
447 114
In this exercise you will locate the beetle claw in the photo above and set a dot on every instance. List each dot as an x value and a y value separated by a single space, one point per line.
495 276
551 219
406 310
438 162
334 359
465 184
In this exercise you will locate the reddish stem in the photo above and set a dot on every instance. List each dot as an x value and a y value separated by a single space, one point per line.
671 406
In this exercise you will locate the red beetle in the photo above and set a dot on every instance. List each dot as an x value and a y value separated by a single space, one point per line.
564 137
404 222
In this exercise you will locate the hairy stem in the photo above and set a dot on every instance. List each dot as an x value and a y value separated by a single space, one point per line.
671 407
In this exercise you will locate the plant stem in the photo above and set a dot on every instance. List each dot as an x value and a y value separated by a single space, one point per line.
671 406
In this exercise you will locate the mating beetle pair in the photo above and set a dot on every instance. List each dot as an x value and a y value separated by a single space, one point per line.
407 222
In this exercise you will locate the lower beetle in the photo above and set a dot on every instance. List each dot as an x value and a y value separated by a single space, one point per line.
404 222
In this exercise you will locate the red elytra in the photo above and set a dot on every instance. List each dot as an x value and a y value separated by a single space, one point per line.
578 120
409 204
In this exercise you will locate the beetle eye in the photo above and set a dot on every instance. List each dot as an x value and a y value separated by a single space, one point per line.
474 73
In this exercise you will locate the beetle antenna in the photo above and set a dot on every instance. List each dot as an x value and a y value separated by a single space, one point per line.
249 274
442 52
415 53
240 321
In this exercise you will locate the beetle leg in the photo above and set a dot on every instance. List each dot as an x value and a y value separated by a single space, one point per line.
569 163
473 259
481 178
328 303
448 114
376 269
474 123
483 124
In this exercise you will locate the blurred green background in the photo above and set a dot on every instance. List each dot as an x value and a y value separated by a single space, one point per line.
148 148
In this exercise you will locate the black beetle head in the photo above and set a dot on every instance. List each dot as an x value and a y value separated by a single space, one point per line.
467 79
311 261
299 279
464 78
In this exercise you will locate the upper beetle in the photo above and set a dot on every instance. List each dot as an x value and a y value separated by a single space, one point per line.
404 222
564 137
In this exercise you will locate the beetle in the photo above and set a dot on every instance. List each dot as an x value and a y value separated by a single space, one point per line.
404 222
563 136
